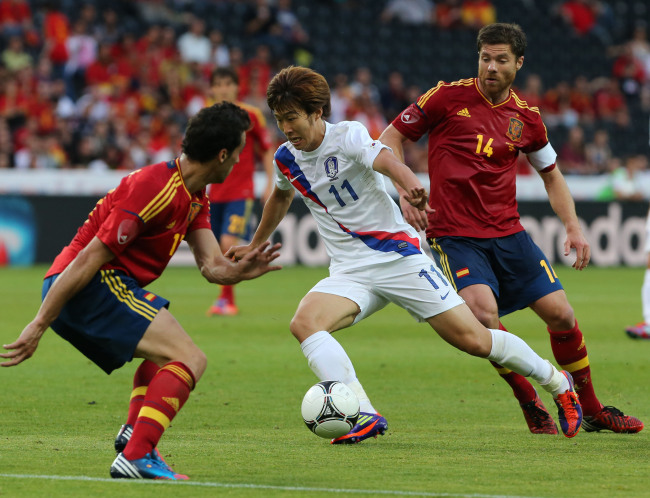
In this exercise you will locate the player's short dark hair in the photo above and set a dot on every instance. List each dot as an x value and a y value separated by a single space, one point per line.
299 88
224 72
500 32
214 128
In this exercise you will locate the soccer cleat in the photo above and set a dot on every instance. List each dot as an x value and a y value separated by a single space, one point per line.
143 468
537 417
368 425
569 410
223 307
123 437
612 419
639 331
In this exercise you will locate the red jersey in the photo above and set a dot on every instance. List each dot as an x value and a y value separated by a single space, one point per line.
239 183
142 222
473 150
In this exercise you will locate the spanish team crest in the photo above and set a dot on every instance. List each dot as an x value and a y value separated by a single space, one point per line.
331 167
515 129
195 207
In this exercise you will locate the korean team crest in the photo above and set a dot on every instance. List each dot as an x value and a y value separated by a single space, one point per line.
515 129
331 167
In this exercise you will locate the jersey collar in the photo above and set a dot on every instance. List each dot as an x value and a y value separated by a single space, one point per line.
487 100
177 163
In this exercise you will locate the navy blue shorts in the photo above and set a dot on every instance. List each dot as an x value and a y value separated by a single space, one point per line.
514 267
231 218
107 318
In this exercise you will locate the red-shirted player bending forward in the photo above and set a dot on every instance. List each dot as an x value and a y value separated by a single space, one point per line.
93 294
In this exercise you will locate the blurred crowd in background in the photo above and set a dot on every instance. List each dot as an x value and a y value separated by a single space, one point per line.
111 84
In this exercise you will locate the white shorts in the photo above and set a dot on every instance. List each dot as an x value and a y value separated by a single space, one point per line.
414 283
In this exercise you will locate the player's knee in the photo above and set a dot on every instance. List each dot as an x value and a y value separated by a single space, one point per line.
476 342
476 346
199 363
489 317
192 357
301 327
561 318
473 347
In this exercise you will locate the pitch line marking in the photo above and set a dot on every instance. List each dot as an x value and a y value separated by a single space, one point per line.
384 492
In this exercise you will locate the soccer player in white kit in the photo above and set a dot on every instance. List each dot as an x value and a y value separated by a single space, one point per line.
376 257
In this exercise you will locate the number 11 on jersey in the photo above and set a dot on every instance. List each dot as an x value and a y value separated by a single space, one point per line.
345 185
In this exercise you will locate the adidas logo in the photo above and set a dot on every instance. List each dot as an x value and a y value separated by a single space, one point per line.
464 112
363 419
173 402
171 225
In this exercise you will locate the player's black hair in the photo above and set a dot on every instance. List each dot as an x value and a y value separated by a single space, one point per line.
225 72
214 128
299 88
500 32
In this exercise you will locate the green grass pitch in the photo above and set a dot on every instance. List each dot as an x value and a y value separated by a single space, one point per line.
454 427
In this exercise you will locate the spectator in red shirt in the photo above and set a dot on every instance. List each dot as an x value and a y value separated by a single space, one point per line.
102 69
255 74
629 71
608 99
56 29
581 99
15 17
572 155
448 14
13 104
579 14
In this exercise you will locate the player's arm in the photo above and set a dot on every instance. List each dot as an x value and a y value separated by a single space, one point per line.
275 210
218 269
564 206
413 216
74 278
413 192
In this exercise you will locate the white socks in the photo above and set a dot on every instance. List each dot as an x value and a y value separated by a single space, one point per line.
512 352
329 361
645 296
557 384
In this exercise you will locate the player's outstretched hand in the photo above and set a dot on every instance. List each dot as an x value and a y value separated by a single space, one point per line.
237 252
418 198
252 263
415 208
23 347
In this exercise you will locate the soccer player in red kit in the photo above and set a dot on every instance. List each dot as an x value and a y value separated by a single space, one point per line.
231 202
94 296
476 129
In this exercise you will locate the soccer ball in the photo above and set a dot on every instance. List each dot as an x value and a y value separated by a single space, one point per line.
330 409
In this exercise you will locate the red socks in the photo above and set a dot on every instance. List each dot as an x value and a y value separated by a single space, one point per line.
165 396
522 389
228 294
141 380
571 354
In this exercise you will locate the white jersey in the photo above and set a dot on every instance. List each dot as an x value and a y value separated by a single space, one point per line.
357 219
